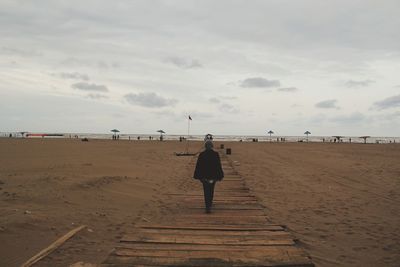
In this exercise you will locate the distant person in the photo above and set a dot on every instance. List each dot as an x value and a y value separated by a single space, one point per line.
208 137
208 171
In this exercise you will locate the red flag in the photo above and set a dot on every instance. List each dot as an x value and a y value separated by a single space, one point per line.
190 118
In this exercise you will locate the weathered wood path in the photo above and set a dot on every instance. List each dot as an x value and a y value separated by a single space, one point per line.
236 233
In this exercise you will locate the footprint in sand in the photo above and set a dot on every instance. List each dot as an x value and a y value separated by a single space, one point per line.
359 248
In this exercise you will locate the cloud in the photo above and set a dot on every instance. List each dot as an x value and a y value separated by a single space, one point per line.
105 66
20 52
71 75
84 86
326 42
331 103
184 63
229 97
228 108
288 89
224 107
74 62
317 119
149 100
96 96
214 100
355 84
390 102
353 118
198 115
259 82
393 117
295 105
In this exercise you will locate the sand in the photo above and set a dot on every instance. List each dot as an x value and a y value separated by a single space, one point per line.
341 201
50 186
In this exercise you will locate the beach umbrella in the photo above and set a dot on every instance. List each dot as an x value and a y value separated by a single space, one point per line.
307 133
270 132
115 131
365 138
161 134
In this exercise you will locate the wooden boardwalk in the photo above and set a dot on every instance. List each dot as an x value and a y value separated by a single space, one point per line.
236 233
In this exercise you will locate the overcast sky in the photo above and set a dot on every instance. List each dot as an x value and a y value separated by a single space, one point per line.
237 67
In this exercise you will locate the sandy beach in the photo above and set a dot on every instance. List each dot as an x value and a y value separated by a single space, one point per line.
341 201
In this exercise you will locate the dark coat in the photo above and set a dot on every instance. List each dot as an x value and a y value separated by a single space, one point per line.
208 166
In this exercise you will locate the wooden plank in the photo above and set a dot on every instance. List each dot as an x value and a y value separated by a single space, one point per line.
226 194
244 254
43 253
220 195
207 240
292 254
264 227
199 203
221 207
219 199
218 224
288 249
222 221
226 212
252 254
280 259
234 216
236 235
211 233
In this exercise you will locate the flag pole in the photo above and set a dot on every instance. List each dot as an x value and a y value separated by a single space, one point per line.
187 138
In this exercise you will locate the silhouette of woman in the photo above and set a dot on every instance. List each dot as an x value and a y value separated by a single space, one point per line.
208 171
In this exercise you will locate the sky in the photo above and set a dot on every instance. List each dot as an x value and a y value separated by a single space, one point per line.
236 67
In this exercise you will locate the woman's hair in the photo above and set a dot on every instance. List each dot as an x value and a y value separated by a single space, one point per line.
208 145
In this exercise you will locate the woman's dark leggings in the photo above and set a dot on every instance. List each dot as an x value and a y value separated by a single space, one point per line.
208 193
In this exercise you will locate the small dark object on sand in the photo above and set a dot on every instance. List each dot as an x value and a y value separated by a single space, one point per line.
85 140
184 154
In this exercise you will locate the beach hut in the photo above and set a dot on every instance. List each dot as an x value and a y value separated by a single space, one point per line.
307 133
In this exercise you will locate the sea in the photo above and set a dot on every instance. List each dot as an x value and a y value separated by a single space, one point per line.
238 138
